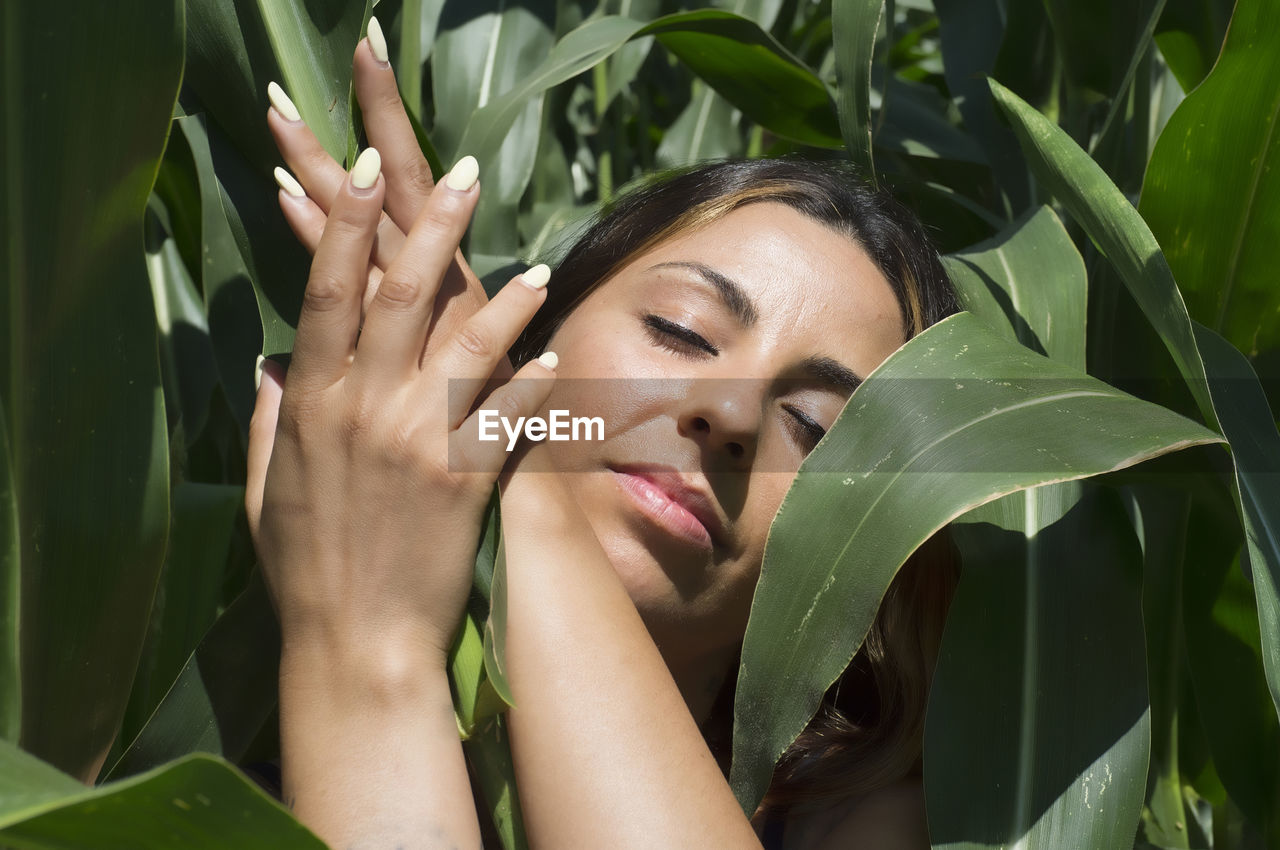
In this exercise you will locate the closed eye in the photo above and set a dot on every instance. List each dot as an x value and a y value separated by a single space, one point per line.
807 432
677 338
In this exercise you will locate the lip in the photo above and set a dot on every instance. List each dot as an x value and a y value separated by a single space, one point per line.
680 509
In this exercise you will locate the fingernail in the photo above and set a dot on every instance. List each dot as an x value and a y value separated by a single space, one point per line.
463 175
286 182
377 41
257 373
549 359
537 277
282 103
367 168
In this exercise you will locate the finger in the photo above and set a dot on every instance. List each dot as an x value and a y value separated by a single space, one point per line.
396 322
472 447
320 176
481 343
306 220
330 317
409 180
262 437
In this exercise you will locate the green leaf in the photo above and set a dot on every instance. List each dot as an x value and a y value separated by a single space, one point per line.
1098 40
1249 424
625 65
1038 726
732 54
1028 281
1212 189
235 49
187 600
1224 654
483 50
10 593
495 630
416 33
1161 517
755 73
972 32
197 802
957 417
489 751
706 129
1190 35
187 363
1058 771
913 120
1115 227
1226 390
855 25
1136 52
81 384
224 694
233 313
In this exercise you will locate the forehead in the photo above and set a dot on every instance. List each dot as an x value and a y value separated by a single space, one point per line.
805 279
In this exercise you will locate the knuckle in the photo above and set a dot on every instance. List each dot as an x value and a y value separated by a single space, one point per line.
292 422
398 291
417 176
510 404
441 218
325 291
351 221
471 341
359 419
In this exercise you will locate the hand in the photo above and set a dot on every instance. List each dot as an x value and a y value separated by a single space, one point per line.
408 176
365 532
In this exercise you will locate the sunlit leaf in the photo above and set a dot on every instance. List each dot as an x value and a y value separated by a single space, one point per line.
957 417
1212 190
196 802
1028 281
1225 388
855 25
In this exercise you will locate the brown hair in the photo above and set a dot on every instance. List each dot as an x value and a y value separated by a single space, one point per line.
869 730
828 192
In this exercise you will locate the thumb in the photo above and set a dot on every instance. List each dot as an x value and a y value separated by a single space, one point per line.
262 437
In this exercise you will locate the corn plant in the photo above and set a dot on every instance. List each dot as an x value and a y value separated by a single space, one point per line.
1097 429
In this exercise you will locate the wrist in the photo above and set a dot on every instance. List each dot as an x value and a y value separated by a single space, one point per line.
360 665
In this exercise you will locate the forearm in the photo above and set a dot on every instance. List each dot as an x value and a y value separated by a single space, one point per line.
606 751
370 750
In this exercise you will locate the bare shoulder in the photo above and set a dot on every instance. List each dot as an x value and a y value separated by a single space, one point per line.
890 818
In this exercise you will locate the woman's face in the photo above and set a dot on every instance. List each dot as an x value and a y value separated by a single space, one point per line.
716 361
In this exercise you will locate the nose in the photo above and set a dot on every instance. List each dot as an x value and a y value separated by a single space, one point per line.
724 416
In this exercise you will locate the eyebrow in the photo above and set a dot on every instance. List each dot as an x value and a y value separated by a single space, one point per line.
824 369
831 372
730 292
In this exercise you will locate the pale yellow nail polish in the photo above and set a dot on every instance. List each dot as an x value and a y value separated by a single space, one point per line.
537 277
377 41
282 103
367 168
463 175
286 182
257 373
549 359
